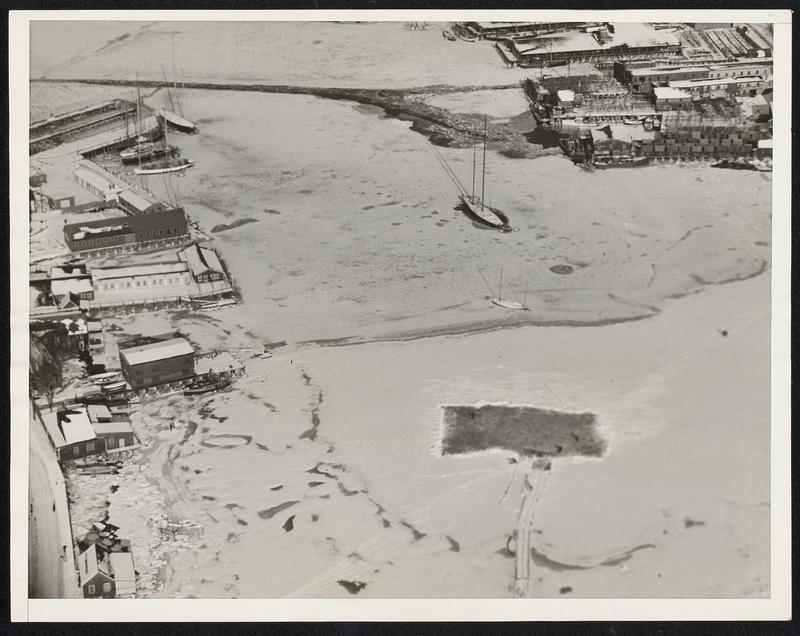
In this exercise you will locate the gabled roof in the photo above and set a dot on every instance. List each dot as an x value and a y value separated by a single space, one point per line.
157 351
89 566
201 259
136 200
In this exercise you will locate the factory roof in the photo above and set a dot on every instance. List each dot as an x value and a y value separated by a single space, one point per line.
157 351
201 259
145 269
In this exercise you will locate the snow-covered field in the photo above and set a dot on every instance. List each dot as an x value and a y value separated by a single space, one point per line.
319 471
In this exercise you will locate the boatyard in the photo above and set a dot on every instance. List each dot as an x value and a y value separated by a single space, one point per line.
405 328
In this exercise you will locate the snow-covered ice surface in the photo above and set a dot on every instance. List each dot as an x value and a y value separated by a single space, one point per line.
322 465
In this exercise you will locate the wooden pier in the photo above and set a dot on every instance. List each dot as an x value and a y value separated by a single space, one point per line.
533 489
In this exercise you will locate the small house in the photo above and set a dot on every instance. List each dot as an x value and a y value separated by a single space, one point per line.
71 434
95 575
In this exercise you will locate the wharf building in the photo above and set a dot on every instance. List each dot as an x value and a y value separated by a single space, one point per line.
193 274
158 363
592 44
498 30
128 233
110 189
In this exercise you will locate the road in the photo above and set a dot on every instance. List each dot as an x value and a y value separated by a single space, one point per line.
50 566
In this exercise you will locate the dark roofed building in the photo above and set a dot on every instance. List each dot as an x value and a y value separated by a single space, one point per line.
166 225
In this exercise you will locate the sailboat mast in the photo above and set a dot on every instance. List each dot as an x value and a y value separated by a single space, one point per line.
483 178
174 71
474 162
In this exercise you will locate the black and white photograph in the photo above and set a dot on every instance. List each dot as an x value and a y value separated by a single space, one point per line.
469 307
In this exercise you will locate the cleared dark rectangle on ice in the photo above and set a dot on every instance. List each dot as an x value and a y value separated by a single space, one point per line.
524 429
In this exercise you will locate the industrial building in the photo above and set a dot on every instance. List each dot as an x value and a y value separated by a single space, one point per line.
157 363
129 232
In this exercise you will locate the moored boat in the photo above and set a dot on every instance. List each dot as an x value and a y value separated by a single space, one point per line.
206 386
167 165
177 122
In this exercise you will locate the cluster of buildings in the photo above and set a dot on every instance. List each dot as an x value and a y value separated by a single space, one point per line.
78 431
678 87
191 274
171 361
105 564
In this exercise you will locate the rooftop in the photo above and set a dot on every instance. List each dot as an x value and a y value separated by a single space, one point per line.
668 92
68 427
136 223
720 81
138 201
98 412
201 259
629 33
70 285
146 269
115 427
654 70
123 572
157 351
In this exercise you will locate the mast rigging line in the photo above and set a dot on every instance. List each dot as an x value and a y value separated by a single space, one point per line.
456 181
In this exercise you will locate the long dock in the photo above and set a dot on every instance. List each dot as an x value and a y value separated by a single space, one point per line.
534 485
